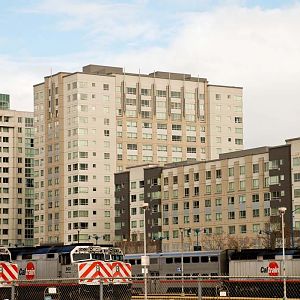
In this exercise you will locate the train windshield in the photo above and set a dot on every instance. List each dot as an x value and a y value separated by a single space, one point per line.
4 257
81 256
98 256
117 257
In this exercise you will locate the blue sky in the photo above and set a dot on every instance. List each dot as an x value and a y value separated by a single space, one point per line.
28 28
254 44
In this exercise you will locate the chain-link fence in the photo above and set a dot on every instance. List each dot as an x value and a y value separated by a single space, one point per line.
217 287
187 288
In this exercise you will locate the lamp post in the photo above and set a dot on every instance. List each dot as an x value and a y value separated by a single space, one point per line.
181 237
282 211
145 258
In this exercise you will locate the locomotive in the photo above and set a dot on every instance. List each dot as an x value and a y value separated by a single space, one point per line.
8 272
249 272
78 271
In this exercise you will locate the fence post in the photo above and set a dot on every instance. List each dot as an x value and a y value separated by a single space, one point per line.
101 290
199 289
13 290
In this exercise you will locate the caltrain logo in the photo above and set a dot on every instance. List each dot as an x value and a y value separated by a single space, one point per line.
30 271
272 269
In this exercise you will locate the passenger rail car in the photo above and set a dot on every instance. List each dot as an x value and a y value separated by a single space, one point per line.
268 265
252 272
55 266
168 267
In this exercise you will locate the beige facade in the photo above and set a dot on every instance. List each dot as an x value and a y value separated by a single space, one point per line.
90 125
16 177
222 200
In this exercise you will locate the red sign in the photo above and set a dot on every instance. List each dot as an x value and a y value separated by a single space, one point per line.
30 271
273 269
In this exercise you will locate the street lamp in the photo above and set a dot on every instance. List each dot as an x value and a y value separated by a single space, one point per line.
96 237
282 211
145 258
181 237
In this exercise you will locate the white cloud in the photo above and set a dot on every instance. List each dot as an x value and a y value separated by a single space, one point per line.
250 47
254 48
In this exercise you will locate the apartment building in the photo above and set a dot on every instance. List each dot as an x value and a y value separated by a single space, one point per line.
16 175
93 123
227 202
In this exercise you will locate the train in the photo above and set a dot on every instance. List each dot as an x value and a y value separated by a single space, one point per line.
80 271
249 272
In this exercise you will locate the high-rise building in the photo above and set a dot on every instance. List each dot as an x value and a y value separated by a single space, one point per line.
228 202
16 175
4 101
93 123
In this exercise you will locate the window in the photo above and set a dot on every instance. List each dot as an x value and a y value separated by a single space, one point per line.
255 168
208 175
242 214
230 200
296 161
230 186
242 185
196 204
207 217
186 192
242 170
243 228
255 198
218 173
131 146
255 183
208 189
218 202
297 193
297 177
208 203
218 216
231 171
131 90
231 215
239 141
231 229
242 198
255 213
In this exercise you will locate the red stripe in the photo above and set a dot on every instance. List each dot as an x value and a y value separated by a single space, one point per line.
9 272
127 274
81 266
92 266
129 266
89 269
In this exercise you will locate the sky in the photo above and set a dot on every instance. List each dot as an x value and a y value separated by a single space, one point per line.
253 44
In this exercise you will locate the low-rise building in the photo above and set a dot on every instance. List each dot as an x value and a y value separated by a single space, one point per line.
230 202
